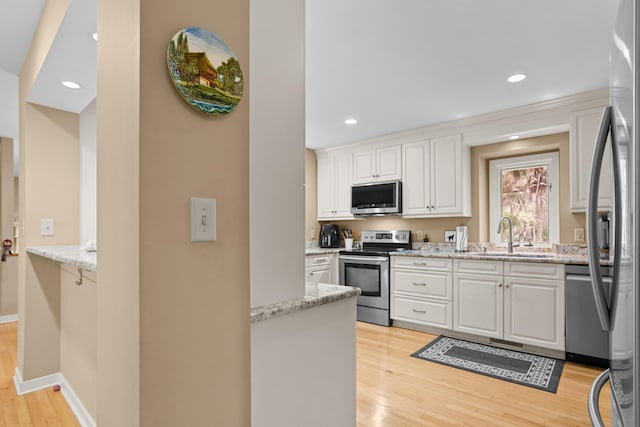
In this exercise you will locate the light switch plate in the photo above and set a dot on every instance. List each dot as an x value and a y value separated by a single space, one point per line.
203 220
46 227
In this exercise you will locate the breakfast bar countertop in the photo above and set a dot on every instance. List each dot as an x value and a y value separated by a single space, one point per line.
315 294
67 254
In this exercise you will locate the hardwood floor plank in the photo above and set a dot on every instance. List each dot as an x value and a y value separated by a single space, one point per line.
395 389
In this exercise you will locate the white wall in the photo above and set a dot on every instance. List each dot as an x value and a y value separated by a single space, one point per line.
88 173
276 156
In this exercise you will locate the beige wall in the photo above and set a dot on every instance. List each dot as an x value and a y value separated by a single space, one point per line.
9 268
173 327
46 151
480 157
479 227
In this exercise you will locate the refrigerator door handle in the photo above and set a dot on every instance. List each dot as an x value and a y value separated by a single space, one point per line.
592 221
593 405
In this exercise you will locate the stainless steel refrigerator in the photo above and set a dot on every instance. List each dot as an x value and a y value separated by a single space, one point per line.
618 308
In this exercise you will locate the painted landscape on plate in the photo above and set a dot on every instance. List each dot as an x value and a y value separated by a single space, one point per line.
205 71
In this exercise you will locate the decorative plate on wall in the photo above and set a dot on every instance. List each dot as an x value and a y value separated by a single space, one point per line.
205 71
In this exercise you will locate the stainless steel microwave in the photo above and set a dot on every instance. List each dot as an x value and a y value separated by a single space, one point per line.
380 198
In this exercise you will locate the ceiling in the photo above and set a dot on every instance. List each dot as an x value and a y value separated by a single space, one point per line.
391 65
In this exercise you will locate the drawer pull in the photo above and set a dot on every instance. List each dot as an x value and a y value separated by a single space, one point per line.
320 261
420 311
420 263
419 284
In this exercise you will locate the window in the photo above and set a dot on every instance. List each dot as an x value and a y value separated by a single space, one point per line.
523 189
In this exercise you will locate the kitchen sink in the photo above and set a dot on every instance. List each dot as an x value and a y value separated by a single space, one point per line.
535 255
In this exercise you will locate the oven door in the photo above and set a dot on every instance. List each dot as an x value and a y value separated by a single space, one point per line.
370 274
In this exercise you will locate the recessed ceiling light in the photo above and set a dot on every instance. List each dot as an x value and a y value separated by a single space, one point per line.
95 36
514 137
516 78
350 121
70 85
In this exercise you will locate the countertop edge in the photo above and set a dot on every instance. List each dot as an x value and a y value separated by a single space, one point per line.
67 254
315 295
555 259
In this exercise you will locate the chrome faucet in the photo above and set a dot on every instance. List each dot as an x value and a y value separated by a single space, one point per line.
510 243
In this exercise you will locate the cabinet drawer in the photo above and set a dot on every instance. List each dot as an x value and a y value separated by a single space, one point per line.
431 284
426 312
422 263
313 260
475 266
535 270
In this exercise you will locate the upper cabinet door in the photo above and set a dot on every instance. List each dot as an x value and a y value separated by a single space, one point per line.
389 163
343 174
326 188
415 182
383 164
446 175
364 166
582 138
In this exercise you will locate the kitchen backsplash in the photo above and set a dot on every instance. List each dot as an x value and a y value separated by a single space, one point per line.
562 249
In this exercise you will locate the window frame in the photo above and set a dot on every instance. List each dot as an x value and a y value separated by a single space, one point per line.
551 161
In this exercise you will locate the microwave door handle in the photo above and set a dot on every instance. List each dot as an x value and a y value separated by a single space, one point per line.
592 221
594 396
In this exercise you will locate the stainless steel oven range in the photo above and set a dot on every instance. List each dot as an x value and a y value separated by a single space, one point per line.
368 269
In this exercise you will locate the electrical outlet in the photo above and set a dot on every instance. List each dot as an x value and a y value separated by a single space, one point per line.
46 227
578 234
420 235
312 235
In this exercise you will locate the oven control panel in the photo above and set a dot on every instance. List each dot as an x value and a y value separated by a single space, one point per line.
387 236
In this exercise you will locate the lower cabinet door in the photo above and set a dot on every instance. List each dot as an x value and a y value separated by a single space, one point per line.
478 304
422 311
534 312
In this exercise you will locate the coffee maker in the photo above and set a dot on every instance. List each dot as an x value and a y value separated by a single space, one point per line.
329 236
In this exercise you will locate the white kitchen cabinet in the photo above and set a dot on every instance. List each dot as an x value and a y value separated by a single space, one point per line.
436 178
534 309
322 268
382 164
334 177
525 304
478 304
582 138
421 291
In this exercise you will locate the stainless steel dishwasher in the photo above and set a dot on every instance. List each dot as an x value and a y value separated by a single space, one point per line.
585 341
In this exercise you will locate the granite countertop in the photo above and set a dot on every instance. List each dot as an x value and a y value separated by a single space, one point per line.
315 294
71 254
322 251
548 257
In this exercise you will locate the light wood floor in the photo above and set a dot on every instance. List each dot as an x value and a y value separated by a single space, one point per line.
394 390
40 408
397 390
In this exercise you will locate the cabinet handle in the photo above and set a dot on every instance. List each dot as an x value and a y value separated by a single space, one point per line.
506 286
320 261
499 285
419 263
419 284
420 311
311 273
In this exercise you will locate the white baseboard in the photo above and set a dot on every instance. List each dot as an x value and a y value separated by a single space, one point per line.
9 318
22 387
